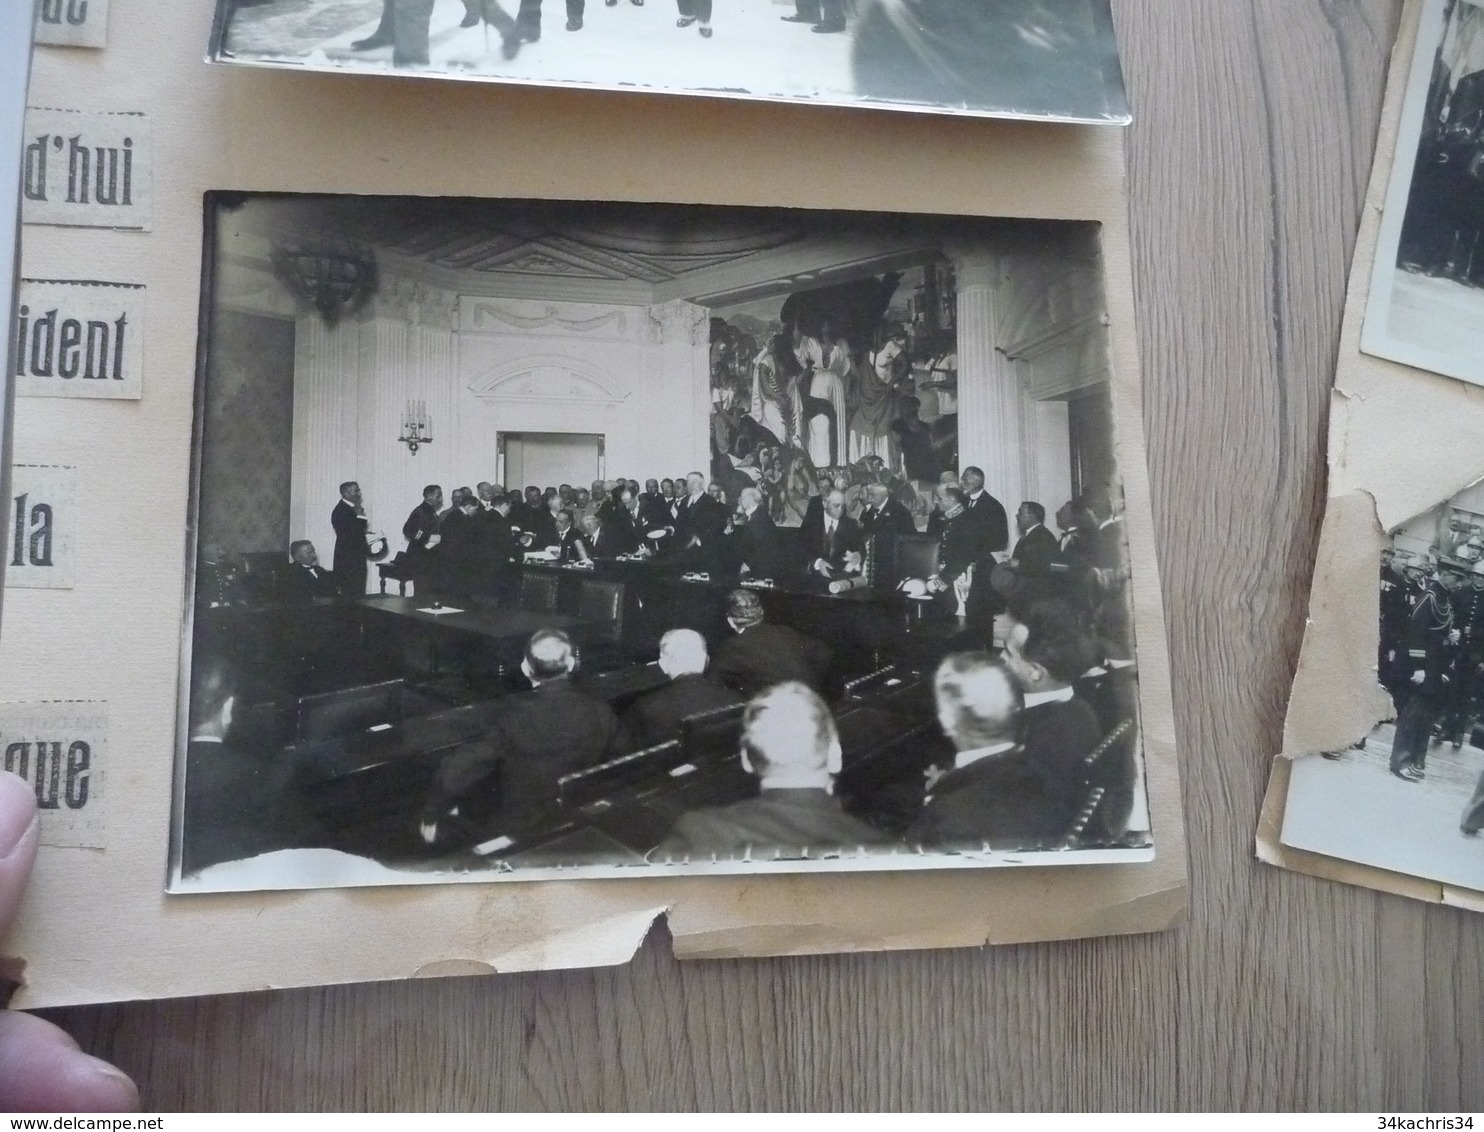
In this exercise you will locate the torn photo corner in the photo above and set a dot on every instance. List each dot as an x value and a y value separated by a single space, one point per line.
1389 690
1053 60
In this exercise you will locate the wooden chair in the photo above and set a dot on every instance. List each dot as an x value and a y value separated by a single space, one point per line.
602 603
1096 787
597 783
397 570
538 592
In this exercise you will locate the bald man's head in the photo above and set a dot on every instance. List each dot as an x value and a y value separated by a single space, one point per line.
834 504
549 656
682 653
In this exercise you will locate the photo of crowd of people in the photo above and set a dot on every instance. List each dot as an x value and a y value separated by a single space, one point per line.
835 644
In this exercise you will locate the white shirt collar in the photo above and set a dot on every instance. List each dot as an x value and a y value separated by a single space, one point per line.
964 758
1059 695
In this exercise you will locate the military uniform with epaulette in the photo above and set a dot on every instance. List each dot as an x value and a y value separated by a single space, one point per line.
1430 642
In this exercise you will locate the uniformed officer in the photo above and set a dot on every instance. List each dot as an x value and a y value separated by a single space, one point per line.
1431 636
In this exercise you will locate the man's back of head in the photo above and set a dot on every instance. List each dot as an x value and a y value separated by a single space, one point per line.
744 609
789 739
683 653
1046 647
549 656
978 702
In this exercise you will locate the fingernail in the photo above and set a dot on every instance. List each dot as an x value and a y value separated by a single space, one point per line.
17 810
105 1088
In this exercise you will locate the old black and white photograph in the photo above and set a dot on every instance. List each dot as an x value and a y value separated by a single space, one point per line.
1041 59
1426 303
1409 797
538 539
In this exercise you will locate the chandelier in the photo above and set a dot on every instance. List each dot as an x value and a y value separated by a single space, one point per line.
333 274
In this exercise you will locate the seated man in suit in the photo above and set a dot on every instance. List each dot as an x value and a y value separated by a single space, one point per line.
836 548
535 738
1046 650
1036 548
239 802
790 743
656 716
307 578
993 794
761 655
883 515
571 543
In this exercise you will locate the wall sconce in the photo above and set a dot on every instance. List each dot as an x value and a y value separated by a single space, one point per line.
417 426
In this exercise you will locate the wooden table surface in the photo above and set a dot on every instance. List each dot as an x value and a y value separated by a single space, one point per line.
1249 158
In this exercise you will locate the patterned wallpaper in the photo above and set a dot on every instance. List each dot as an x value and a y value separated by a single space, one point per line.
248 433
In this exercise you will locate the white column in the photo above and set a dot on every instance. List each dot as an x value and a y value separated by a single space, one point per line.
677 409
379 465
990 397
326 399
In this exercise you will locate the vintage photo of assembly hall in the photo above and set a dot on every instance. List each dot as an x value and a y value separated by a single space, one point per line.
537 540
1051 59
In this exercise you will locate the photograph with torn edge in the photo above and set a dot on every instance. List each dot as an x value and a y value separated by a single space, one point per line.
538 540
1426 305
1041 59
1409 797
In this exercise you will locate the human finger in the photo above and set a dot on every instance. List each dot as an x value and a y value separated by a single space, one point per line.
42 1070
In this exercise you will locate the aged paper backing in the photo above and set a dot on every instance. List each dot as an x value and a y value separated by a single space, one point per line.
115 636
1400 441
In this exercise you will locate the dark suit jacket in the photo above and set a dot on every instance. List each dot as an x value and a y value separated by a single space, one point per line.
569 543
961 546
757 545
987 516
786 822
654 511
847 538
656 717
462 560
239 804
1024 799
1035 552
893 519
615 535
765 655
302 584
543 529
421 525
350 548
705 520
534 739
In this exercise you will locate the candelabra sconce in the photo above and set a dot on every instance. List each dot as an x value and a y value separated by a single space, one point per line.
417 426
